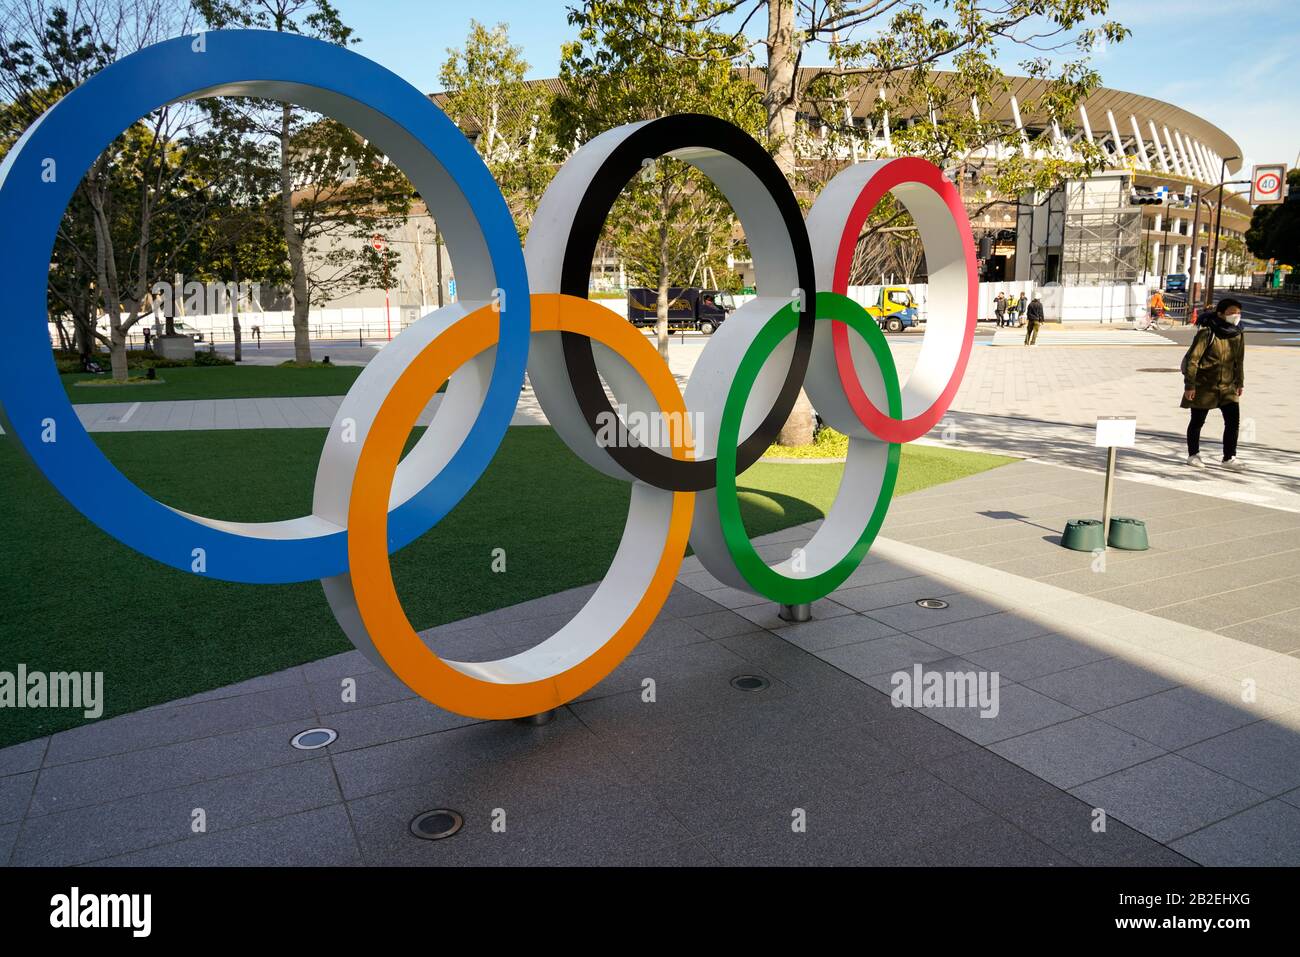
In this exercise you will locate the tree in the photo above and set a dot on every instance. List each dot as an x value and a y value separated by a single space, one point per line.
335 190
636 60
1274 231
486 94
245 244
896 46
138 203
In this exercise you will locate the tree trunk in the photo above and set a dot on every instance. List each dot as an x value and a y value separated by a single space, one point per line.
780 97
437 258
84 333
661 304
234 320
117 352
293 240
780 101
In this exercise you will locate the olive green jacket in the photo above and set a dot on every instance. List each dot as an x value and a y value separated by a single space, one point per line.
1215 368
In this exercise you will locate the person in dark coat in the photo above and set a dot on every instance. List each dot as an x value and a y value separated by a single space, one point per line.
1034 316
1000 309
1213 378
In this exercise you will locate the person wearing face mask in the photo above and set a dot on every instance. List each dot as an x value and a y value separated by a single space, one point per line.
1213 378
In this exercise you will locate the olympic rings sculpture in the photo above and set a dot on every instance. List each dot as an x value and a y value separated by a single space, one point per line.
518 311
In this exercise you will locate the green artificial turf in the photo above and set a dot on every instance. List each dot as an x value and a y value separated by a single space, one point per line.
75 599
217 382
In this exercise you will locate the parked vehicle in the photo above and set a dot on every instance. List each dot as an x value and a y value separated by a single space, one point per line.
895 309
688 307
183 330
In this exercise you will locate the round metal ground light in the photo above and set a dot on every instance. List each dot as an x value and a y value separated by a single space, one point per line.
933 603
750 683
437 824
314 738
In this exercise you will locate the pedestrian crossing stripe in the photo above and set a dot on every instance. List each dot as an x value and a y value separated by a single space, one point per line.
1103 337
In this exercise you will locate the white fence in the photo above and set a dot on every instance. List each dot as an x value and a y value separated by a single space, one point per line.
1110 302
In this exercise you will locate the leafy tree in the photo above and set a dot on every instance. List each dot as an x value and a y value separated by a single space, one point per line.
245 244
486 92
139 202
636 60
335 190
1274 231
897 46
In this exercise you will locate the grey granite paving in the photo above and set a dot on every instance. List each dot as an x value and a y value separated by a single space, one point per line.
1222 566
1185 741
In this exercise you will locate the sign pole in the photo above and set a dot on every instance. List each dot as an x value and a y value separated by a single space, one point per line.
1107 495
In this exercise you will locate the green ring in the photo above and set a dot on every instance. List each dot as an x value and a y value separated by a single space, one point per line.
765 581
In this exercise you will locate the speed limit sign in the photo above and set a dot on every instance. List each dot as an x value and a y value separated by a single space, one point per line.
1268 184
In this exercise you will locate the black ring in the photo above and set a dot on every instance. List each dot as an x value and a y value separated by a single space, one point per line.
658 138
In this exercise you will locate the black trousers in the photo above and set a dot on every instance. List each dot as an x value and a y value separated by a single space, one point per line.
1231 424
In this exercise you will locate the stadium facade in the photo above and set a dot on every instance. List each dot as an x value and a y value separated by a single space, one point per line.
1100 232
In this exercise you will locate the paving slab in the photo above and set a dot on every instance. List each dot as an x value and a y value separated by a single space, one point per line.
1169 797
819 768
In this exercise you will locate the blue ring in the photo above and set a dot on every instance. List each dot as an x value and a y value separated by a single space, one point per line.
73 133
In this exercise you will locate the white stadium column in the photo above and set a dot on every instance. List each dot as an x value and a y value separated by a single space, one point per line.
1211 163
1087 126
889 144
1189 157
1114 132
1173 153
1160 150
1141 147
1024 137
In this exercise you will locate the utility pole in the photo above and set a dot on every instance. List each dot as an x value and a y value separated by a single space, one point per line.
1218 219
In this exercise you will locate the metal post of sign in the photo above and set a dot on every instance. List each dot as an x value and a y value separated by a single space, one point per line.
1108 494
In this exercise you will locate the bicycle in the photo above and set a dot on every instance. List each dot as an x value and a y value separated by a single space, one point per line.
1159 321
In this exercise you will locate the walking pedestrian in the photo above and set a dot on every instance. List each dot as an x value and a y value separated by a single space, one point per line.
1000 308
1034 316
1214 378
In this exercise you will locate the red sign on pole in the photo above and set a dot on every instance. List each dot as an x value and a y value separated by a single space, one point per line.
1268 184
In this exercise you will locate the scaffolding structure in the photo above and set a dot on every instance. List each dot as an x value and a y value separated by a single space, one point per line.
1102 236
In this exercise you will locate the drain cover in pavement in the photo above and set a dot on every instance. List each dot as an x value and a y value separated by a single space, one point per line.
436 825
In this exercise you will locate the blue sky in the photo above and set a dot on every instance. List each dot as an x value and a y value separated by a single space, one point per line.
1234 62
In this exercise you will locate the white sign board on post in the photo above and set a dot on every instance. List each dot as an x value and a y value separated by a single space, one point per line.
1268 184
1116 430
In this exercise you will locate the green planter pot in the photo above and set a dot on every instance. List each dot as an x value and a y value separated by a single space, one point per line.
1129 534
1083 535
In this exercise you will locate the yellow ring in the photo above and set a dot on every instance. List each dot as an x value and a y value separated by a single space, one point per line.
428 675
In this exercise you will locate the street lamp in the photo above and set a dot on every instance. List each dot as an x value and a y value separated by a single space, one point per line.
1218 219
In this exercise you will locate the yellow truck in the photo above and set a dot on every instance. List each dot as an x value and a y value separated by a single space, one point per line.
895 309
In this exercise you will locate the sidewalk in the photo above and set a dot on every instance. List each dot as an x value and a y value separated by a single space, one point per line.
293 412
1102 709
1272 477
1228 567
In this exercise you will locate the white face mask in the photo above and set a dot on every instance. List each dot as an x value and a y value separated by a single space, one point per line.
1232 318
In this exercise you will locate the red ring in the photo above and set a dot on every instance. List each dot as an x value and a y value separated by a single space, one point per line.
895 173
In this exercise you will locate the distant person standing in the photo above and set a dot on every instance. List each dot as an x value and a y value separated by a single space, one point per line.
1013 310
1000 308
1213 378
1034 315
